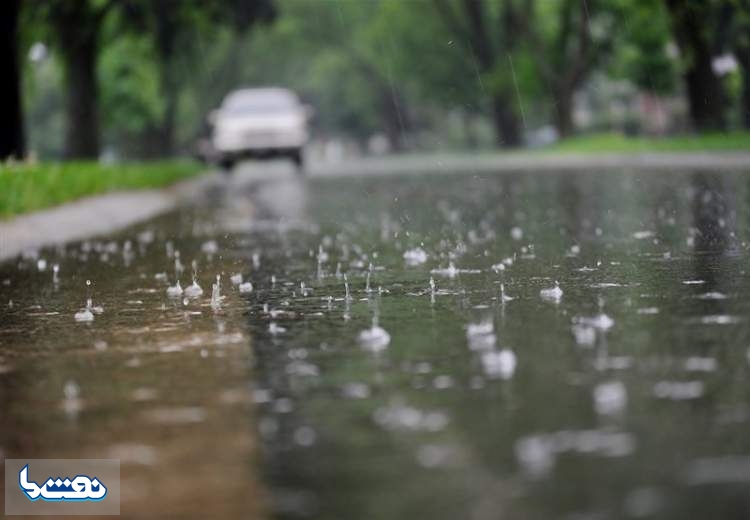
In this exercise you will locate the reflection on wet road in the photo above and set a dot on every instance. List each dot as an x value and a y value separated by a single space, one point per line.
454 346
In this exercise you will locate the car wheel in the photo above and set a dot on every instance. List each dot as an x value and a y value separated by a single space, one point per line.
226 165
298 160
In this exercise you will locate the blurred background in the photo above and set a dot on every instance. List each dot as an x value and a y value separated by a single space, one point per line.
136 79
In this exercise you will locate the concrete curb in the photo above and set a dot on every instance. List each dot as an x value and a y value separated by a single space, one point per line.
110 212
91 216
538 162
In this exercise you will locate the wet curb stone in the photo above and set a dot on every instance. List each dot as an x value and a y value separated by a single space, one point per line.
96 215
517 162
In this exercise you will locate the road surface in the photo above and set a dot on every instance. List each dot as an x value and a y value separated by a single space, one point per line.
468 345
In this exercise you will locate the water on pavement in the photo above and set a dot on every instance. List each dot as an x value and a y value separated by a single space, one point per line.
446 346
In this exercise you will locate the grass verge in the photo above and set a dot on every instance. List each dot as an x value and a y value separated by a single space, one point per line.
30 187
619 143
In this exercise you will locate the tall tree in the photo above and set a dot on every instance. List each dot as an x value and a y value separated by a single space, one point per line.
342 33
641 53
566 55
493 34
11 130
75 29
173 25
692 25
740 16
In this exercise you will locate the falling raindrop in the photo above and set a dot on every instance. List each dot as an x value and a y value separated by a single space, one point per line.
178 267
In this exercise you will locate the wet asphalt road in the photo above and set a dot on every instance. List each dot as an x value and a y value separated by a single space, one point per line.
476 390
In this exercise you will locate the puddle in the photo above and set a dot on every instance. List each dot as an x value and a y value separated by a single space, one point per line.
436 347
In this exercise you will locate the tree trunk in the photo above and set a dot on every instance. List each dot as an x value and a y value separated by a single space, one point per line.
506 122
166 129
706 98
564 113
746 98
744 61
79 37
470 136
166 34
11 128
396 123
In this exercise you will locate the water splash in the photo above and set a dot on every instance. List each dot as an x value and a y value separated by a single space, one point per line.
374 339
600 322
210 248
500 364
481 336
216 294
275 329
87 314
452 271
416 256
552 294
84 315
194 290
175 291
610 398
504 298
178 267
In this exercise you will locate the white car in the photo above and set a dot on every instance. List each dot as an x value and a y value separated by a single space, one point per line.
259 123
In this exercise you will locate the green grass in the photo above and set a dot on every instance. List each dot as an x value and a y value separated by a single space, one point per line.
607 143
30 187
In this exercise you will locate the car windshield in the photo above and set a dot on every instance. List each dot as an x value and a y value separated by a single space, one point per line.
260 103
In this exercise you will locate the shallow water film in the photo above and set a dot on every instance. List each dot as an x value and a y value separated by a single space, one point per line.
558 345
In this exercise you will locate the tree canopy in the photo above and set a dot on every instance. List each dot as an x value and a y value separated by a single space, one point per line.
138 77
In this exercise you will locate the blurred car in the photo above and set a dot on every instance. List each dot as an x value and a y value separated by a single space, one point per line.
259 123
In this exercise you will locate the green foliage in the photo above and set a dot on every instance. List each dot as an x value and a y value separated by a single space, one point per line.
28 187
642 52
604 143
367 66
130 87
43 100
